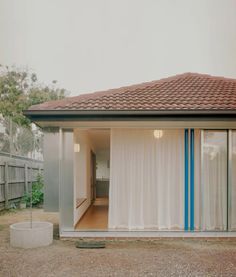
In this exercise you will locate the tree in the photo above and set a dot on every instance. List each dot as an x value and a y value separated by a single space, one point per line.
19 89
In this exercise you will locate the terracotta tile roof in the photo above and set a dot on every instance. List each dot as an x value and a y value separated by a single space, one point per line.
185 92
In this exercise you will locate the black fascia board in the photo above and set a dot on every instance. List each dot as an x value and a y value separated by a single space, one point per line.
186 115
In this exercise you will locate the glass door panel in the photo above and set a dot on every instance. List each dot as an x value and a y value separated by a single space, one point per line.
214 182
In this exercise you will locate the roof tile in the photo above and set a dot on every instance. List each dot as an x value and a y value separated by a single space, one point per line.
189 91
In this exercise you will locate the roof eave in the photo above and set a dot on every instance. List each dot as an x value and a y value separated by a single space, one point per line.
180 115
31 113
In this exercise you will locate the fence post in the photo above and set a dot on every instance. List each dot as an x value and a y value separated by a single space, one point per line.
26 179
6 191
11 137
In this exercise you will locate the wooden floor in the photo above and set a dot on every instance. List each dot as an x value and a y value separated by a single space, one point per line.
95 218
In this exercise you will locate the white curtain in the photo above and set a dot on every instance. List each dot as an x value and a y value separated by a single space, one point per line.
147 179
197 179
214 190
233 190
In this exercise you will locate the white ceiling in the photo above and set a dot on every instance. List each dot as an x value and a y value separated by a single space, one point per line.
100 138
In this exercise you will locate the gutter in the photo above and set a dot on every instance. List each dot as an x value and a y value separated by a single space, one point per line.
32 113
103 115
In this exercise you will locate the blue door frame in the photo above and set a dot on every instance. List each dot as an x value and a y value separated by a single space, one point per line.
189 179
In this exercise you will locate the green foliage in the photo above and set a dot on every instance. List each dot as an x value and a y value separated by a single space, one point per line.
37 192
13 99
19 90
24 140
24 199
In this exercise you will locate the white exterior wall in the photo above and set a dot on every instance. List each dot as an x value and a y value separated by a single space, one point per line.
84 178
51 171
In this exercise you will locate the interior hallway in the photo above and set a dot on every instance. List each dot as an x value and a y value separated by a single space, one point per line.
95 218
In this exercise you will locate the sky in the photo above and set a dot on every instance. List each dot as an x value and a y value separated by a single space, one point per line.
95 45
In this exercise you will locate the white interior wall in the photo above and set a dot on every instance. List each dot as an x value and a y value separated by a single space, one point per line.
82 166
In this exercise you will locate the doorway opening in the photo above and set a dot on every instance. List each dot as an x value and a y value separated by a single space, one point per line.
93 214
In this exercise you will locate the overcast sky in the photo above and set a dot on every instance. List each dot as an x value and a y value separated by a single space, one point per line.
100 44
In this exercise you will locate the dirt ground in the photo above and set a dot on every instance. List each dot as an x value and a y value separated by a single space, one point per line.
163 257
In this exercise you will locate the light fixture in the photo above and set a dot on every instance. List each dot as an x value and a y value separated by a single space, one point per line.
76 147
158 134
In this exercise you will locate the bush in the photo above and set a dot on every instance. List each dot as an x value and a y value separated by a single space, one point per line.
37 192
24 199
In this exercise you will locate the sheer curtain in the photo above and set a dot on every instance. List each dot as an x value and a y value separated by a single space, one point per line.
197 180
233 190
147 179
214 190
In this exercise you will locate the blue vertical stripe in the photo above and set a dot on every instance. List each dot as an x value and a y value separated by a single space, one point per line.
192 179
186 180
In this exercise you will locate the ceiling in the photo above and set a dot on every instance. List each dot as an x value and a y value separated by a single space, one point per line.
100 138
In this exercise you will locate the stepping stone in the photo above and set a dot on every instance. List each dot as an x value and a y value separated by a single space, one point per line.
90 244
